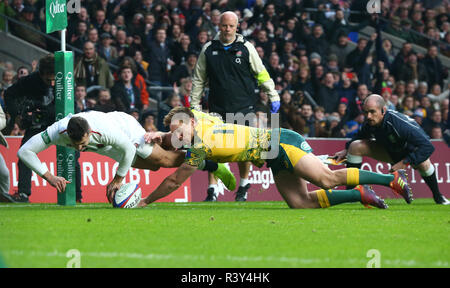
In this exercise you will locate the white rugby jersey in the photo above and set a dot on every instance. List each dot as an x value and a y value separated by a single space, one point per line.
114 134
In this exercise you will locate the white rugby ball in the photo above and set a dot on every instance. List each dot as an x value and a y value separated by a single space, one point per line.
128 196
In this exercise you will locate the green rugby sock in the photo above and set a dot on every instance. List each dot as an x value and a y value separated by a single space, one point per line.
356 176
330 197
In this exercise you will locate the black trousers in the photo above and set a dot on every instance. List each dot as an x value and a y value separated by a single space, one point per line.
24 185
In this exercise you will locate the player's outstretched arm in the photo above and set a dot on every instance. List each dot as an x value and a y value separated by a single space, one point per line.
170 184
28 154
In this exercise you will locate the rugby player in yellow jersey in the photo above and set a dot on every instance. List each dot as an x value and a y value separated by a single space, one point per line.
292 165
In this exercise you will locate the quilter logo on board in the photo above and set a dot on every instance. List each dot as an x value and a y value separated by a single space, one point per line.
72 6
373 6
56 8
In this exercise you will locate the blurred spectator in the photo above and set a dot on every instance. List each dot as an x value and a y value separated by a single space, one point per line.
395 28
436 71
125 95
105 50
436 132
138 80
400 89
262 40
357 58
309 128
395 102
184 91
355 105
411 88
80 99
418 116
341 49
342 108
303 82
400 59
200 39
22 71
287 80
286 102
90 69
74 19
119 22
386 93
5 9
104 101
141 63
275 68
16 131
352 127
121 42
135 113
26 16
434 120
92 35
413 70
164 107
346 87
317 42
327 94
262 119
108 9
436 97
7 79
99 18
212 24
148 121
185 70
182 49
80 36
422 90
159 59
334 127
383 48
263 104
408 105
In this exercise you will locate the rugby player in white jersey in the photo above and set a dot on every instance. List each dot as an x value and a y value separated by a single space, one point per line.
116 135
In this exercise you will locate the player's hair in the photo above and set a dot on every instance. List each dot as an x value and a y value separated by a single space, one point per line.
77 128
378 99
47 65
176 110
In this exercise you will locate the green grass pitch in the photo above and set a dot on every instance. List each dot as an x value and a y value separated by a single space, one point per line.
225 234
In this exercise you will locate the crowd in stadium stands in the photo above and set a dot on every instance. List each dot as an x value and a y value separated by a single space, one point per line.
304 45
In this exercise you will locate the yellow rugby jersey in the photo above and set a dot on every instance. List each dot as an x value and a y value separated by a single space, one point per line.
202 115
223 142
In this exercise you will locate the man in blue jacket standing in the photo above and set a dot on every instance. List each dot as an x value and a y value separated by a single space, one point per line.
398 140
